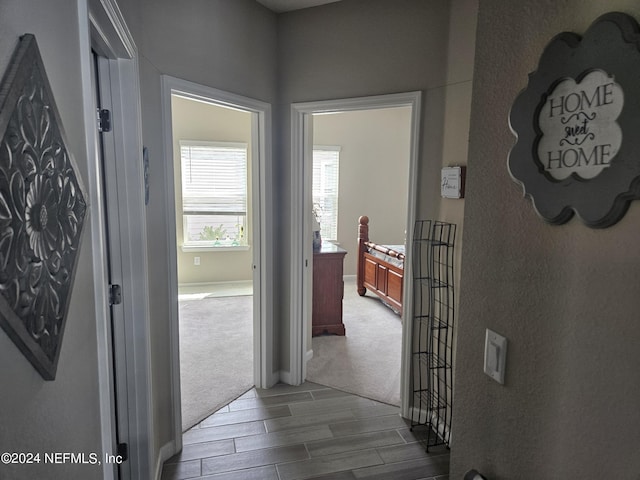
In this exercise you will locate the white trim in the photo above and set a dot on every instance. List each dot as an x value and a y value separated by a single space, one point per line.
214 284
407 301
191 248
301 245
172 293
301 127
207 143
165 453
109 30
328 148
103 28
441 426
285 377
133 249
262 188
104 351
262 243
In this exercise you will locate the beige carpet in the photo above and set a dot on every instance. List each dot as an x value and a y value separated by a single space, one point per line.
366 361
216 354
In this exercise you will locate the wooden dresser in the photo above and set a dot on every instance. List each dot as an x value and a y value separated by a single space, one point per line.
328 290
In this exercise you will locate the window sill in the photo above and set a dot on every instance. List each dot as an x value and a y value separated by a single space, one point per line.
205 248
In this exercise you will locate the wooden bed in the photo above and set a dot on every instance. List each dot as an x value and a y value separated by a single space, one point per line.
376 274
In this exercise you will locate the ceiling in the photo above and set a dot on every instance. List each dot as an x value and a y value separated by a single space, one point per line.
280 6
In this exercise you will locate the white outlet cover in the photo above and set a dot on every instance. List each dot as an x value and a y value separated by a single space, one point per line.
495 355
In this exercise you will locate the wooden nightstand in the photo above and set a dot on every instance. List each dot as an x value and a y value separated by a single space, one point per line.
328 290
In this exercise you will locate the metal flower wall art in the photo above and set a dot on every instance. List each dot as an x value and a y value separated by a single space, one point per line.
42 211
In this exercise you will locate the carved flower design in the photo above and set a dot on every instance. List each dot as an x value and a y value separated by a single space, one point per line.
46 286
14 256
6 220
41 217
42 210
71 210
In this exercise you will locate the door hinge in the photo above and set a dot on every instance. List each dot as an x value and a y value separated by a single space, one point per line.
104 120
123 451
115 295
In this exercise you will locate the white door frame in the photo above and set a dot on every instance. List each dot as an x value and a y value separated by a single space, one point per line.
262 227
102 27
301 254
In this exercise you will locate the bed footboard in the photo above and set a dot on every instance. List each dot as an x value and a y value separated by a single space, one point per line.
375 274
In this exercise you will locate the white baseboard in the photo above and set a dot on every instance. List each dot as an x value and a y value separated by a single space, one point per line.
206 284
167 451
285 377
441 427
271 380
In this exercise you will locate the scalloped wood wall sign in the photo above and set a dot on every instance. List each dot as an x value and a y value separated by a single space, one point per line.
577 124
42 212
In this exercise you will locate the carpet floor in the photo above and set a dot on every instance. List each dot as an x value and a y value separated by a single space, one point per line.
216 354
366 361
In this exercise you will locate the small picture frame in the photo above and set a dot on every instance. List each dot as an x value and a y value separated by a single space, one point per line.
452 182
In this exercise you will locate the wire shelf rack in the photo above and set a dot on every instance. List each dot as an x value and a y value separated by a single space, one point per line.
432 332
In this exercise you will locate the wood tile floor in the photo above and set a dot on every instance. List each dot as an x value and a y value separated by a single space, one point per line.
305 432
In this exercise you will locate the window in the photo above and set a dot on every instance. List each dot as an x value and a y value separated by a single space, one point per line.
325 189
214 194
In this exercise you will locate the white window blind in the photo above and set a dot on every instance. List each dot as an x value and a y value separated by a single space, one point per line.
214 193
326 169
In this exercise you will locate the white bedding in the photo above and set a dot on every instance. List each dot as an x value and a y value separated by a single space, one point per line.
392 260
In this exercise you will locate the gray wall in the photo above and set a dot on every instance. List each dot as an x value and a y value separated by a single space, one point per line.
243 48
566 297
374 47
356 48
228 45
63 415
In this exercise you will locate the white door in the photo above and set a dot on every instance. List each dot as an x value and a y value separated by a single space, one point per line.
119 447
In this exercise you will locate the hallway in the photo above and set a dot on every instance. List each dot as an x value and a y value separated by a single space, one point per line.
305 432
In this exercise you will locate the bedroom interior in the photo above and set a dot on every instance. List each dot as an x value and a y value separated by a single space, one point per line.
371 142
373 172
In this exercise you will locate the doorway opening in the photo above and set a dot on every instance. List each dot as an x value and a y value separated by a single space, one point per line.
360 167
212 146
302 215
216 168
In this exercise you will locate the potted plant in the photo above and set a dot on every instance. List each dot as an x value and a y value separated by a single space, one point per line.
317 215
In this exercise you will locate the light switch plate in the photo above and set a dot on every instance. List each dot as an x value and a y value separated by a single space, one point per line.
495 355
